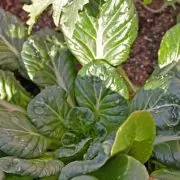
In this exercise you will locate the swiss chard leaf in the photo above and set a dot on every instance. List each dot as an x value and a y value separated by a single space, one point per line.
135 134
122 167
166 174
19 138
170 47
13 33
33 167
48 111
100 88
107 36
12 91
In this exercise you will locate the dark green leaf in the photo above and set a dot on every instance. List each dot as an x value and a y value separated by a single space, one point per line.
96 156
12 36
16 177
166 174
12 91
48 62
122 167
137 133
48 111
100 88
34 167
74 152
18 137
107 36
170 49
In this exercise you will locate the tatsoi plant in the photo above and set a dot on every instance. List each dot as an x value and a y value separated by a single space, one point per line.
85 125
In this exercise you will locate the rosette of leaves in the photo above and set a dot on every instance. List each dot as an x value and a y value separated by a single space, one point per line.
161 97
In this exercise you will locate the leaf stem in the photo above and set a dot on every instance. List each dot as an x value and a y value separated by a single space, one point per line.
132 87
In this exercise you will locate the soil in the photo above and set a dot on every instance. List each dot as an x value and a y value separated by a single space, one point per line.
143 57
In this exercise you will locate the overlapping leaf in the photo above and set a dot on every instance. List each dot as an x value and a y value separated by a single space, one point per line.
100 88
109 35
19 138
12 91
34 167
48 111
13 33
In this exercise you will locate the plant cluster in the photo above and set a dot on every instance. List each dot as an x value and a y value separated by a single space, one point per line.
91 124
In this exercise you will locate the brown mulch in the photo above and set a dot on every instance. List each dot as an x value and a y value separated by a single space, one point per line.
144 52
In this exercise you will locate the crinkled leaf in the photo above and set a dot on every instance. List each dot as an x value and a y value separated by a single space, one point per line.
100 88
74 152
166 174
48 111
13 33
84 178
135 134
122 167
170 47
96 156
48 62
33 167
12 91
107 36
18 137
71 14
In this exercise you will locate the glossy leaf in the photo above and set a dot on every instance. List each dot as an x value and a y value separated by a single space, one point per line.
47 61
109 35
12 91
96 156
33 167
122 167
100 88
48 111
19 138
170 47
166 174
137 133
13 33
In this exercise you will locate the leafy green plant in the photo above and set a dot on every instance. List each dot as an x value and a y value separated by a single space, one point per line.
85 125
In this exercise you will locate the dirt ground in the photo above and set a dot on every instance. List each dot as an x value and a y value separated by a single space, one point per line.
152 27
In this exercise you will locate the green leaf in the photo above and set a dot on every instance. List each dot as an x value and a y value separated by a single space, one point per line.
122 167
48 62
33 167
135 134
146 2
48 111
164 104
13 33
12 91
19 138
166 174
80 120
107 36
100 88
96 156
84 178
71 14
74 152
170 47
